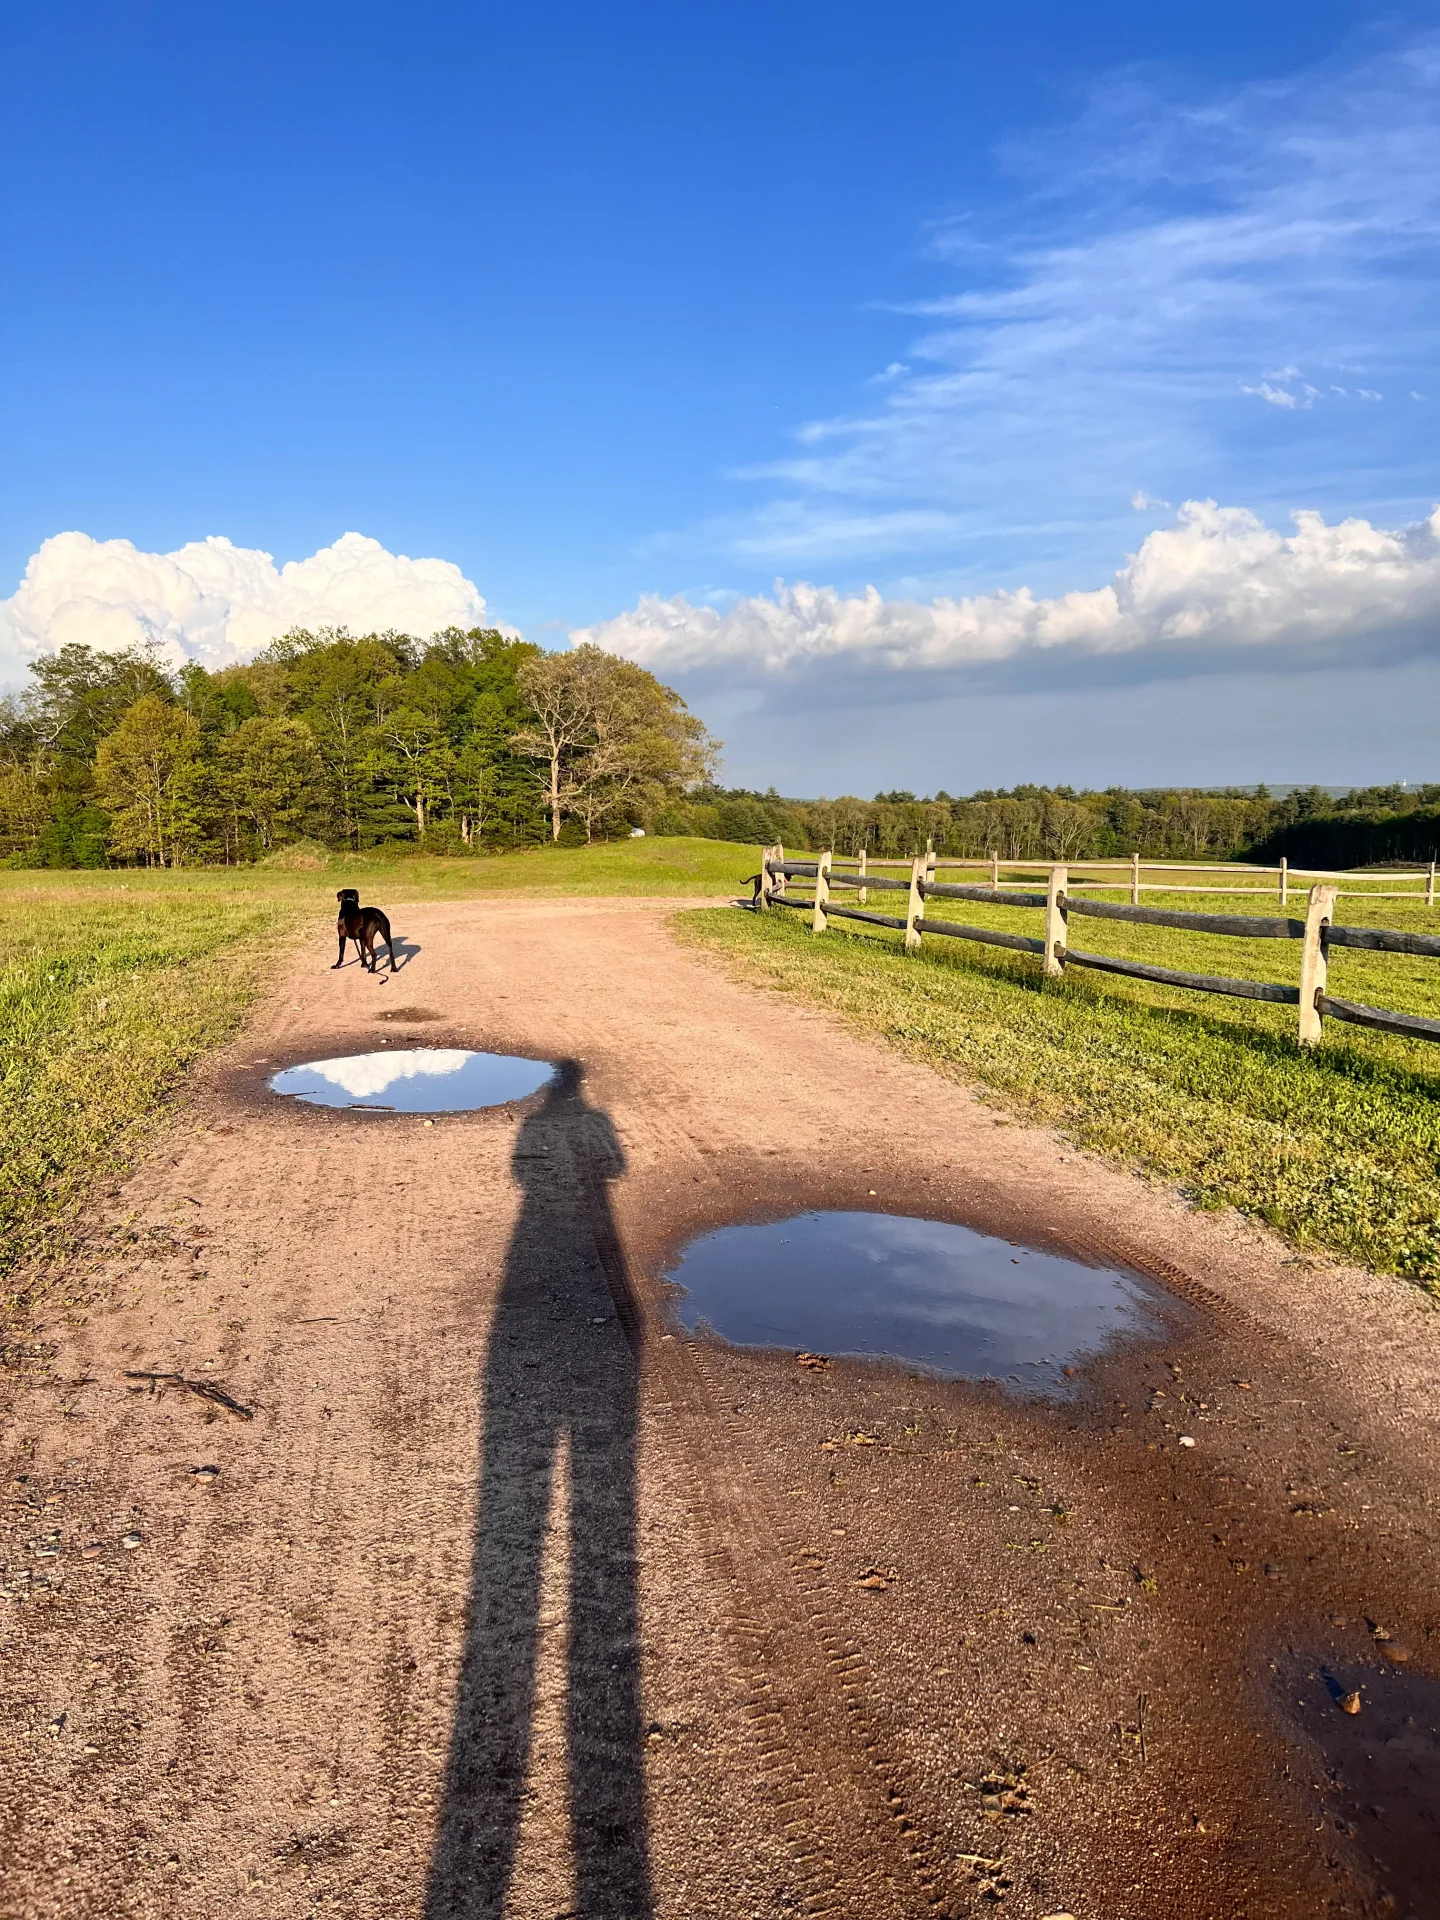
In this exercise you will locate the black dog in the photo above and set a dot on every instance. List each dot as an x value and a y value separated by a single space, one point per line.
363 925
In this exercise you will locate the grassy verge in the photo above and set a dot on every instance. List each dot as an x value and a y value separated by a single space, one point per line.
112 984
1338 1148
104 1001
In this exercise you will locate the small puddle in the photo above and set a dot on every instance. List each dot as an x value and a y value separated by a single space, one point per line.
938 1297
415 1080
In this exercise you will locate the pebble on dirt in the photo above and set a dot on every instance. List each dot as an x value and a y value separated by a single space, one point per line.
1349 1703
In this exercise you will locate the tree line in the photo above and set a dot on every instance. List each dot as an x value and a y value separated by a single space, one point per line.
478 741
1061 823
468 742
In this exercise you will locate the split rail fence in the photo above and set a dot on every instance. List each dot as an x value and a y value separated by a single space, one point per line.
1317 932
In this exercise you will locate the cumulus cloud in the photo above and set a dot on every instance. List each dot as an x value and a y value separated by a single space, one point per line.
1217 588
217 603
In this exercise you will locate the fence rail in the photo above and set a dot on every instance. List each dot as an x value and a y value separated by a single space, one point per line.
1131 872
1317 932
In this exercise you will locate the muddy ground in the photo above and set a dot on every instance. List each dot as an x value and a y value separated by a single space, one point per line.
507 1600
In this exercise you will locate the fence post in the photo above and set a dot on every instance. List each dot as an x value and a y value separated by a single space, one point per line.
1284 880
1319 911
762 896
1056 928
915 911
820 920
864 892
930 859
1430 886
994 869
1134 879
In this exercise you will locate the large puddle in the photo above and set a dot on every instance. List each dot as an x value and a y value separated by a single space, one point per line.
937 1297
415 1080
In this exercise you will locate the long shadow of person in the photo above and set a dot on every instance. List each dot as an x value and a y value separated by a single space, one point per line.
556 1375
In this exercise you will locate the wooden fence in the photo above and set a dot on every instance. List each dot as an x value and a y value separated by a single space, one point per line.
1317 932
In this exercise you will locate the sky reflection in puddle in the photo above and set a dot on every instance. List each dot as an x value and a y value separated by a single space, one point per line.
935 1296
415 1080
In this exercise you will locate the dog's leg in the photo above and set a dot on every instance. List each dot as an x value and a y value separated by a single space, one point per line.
341 961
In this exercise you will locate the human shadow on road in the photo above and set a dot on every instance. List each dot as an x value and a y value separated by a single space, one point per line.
558 1371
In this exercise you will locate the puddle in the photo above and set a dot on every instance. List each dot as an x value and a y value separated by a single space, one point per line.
938 1297
415 1080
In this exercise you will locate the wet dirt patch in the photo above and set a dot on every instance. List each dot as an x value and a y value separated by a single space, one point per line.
415 1080
944 1299
409 1015
1373 1730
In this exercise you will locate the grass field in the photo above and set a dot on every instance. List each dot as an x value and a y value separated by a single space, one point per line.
1338 1148
111 984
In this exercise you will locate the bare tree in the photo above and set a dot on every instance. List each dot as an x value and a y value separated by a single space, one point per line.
555 685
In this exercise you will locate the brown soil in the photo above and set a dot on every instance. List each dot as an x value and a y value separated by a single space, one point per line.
507 1600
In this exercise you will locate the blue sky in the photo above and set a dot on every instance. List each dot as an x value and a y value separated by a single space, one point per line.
606 303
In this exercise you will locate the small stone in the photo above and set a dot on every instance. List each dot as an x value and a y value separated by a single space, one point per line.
92 1550
204 1476
56 1726
1349 1702
1187 1439
132 1540
429 1123
1395 1650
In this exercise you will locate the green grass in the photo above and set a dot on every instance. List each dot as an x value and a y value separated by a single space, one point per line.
112 984
105 999
1337 1148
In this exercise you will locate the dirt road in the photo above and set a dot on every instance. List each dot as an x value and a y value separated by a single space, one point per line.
506 1600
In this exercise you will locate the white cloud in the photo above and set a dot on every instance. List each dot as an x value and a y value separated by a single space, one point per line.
216 603
1143 502
1279 397
1213 588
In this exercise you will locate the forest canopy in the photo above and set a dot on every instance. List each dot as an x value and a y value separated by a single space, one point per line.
472 741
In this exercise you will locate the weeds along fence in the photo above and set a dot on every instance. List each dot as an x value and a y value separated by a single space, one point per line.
1317 932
